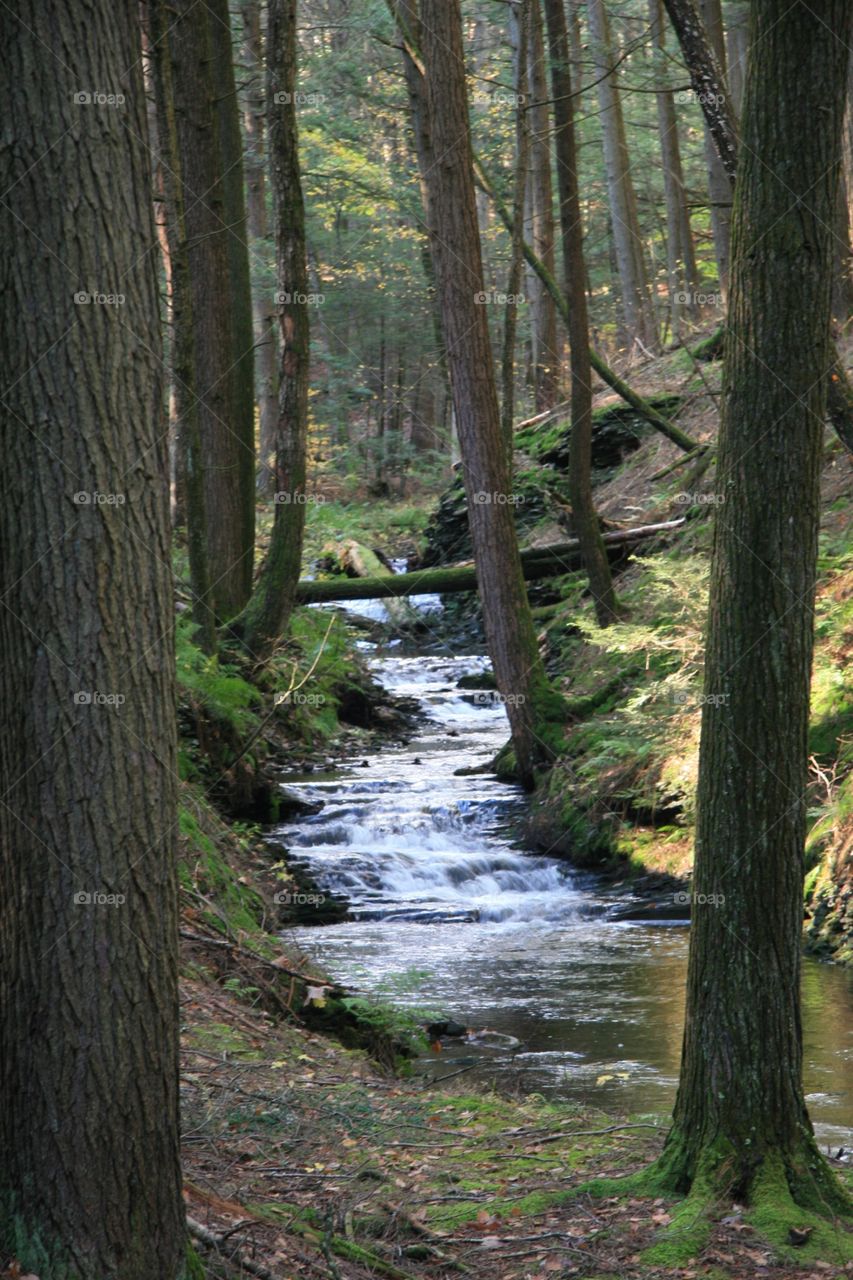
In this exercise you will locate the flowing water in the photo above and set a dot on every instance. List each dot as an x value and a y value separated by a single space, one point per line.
451 915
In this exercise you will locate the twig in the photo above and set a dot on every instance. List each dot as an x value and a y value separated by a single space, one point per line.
232 1252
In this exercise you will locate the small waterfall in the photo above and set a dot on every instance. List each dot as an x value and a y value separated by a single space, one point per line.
408 838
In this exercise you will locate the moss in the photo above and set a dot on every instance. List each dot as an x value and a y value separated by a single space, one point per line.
193 1266
774 1211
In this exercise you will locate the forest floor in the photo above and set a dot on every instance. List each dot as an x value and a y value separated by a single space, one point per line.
301 1159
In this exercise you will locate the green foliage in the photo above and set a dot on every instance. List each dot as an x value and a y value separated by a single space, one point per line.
212 683
402 1025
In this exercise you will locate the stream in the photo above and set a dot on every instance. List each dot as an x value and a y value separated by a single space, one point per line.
449 914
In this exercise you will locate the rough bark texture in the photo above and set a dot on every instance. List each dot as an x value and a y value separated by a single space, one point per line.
263 302
507 620
740 1112
90 1175
584 516
185 402
637 308
224 451
540 201
241 370
268 612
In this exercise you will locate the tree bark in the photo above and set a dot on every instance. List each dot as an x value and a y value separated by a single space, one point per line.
90 1176
268 612
510 634
263 303
740 1125
584 515
206 204
637 308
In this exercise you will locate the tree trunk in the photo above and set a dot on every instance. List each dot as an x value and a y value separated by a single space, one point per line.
537 562
670 429
584 516
540 200
680 254
637 308
707 80
263 303
268 612
188 441
521 17
90 1177
207 203
719 191
507 620
740 1125
241 369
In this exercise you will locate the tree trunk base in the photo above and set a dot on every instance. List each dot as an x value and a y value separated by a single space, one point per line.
793 1201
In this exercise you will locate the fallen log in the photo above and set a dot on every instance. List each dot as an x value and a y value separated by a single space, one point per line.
537 562
359 561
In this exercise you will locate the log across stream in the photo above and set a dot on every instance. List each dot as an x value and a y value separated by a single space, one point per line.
450 914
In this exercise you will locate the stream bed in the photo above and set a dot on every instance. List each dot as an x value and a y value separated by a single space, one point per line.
449 914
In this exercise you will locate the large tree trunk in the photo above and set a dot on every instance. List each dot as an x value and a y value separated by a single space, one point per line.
584 515
719 190
90 1174
206 202
267 614
680 254
540 202
507 620
263 302
740 1123
637 309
